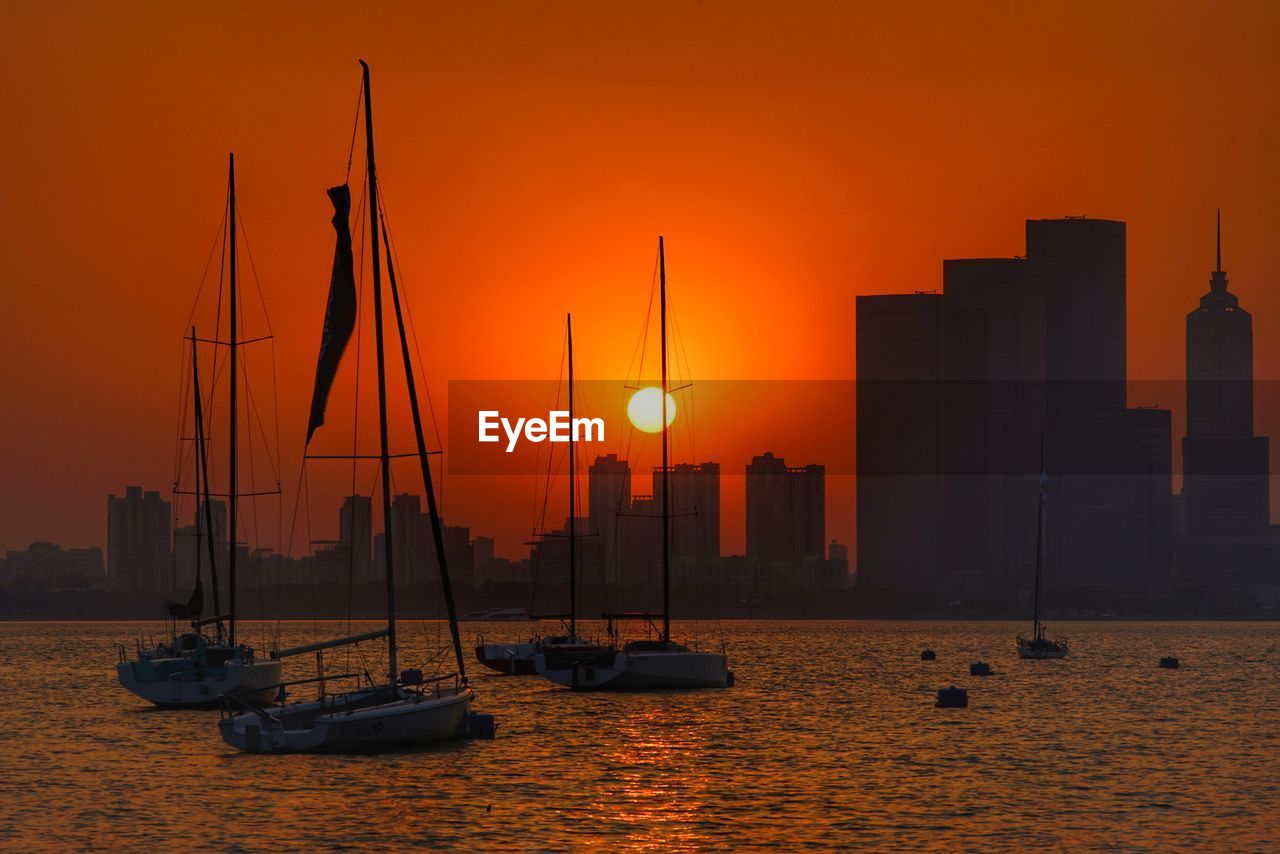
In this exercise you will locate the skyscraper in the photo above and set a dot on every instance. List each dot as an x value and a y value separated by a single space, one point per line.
994 402
1225 467
899 440
411 538
786 510
608 494
355 537
1099 489
138 552
695 513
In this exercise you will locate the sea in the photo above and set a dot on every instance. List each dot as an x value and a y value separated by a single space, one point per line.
829 739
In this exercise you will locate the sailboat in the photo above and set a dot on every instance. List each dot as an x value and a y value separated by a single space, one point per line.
406 708
644 664
517 659
1038 645
193 670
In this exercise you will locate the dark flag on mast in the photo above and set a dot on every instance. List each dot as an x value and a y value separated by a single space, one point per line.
340 316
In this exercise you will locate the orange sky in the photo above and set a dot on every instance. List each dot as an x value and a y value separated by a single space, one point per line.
793 154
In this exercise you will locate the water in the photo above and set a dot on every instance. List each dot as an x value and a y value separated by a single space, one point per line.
830 739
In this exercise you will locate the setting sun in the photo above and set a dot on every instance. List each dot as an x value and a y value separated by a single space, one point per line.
645 409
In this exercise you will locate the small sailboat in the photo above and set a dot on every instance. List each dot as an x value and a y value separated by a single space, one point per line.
193 670
406 708
652 663
517 659
1039 645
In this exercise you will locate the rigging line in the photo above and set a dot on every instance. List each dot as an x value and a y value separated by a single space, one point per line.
394 258
256 412
208 263
355 124
311 557
685 377
355 427
179 451
262 300
551 471
217 313
554 404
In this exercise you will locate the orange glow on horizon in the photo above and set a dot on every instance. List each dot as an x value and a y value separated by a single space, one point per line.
530 155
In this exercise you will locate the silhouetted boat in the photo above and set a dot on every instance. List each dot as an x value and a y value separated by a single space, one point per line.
517 659
643 664
1038 645
406 709
193 670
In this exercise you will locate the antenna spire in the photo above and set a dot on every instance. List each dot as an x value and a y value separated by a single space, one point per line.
1218 268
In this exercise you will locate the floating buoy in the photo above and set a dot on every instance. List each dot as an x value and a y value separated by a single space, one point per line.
952 698
481 726
979 668
928 655
1169 663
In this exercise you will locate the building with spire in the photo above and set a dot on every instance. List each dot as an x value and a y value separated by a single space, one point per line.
1225 502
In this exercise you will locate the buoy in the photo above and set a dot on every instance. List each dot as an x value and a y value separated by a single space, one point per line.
928 655
952 698
1169 663
482 726
979 668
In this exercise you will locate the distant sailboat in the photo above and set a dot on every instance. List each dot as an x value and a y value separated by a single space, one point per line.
644 664
405 709
1039 646
517 659
193 670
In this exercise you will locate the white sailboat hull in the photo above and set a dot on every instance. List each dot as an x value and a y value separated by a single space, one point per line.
641 671
375 719
179 686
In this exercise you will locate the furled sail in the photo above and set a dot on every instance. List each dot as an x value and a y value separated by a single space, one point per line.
340 315
193 608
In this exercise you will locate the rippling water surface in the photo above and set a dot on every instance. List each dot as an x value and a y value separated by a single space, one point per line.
829 739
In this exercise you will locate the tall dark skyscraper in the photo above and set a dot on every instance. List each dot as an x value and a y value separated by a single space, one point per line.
695 509
899 440
414 557
355 537
1099 493
608 494
1225 467
1082 262
994 400
786 510
138 551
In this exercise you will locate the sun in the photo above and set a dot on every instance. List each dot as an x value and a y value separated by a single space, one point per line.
645 409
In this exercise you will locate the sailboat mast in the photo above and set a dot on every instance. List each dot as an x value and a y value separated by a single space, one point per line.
573 522
433 510
384 453
202 476
231 438
666 486
1035 616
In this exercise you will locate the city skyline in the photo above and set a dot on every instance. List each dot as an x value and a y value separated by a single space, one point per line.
956 275
775 226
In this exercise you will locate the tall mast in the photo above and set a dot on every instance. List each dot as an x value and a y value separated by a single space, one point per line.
202 475
231 440
573 522
666 490
1035 616
384 453
433 510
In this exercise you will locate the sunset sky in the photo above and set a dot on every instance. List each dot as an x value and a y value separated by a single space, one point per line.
793 154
